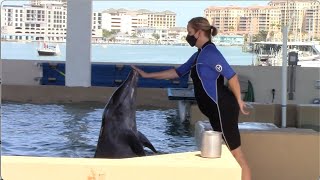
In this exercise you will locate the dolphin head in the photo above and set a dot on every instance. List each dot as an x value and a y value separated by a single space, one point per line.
128 88
124 97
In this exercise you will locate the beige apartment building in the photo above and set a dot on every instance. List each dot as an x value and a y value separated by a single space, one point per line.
304 16
226 19
233 19
164 19
263 18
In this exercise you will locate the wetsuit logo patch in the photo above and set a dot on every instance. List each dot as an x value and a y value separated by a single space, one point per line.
218 67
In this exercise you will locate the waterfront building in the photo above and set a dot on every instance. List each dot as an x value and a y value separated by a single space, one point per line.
40 20
304 15
127 21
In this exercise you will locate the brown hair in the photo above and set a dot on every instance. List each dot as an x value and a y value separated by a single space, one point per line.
201 23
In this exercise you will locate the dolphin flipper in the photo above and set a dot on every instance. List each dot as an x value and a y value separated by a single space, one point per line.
144 140
135 143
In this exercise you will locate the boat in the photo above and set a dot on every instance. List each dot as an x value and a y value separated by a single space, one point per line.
48 50
270 53
247 47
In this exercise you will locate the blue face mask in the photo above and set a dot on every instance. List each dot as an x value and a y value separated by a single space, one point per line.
191 40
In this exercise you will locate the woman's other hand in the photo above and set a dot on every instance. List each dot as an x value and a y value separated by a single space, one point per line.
243 106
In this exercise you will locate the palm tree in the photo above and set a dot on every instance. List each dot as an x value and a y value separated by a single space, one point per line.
316 38
261 36
304 35
156 36
246 38
271 35
134 35
290 35
273 25
231 28
112 39
106 33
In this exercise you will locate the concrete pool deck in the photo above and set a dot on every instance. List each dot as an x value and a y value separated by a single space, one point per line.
184 166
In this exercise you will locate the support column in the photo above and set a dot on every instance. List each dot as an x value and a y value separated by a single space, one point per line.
284 76
78 46
0 111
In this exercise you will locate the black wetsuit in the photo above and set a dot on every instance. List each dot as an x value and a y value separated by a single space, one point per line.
224 114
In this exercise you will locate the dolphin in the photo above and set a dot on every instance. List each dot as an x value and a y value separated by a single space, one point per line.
119 137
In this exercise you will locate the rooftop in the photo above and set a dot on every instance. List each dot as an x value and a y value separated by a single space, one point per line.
239 8
140 11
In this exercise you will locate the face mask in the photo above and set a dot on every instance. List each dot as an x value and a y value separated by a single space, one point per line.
191 40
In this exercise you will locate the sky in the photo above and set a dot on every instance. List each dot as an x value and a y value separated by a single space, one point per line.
185 10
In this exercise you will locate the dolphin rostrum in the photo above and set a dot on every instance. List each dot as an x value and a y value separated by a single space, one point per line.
119 137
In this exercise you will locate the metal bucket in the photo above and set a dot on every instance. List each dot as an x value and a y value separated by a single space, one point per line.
211 144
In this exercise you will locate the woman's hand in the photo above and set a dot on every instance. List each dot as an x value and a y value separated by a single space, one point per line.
166 74
242 106
141 72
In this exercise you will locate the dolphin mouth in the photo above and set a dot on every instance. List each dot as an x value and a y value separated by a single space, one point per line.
135 72
134 76
129 87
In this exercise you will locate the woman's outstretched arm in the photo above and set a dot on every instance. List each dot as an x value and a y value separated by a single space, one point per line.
166 74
